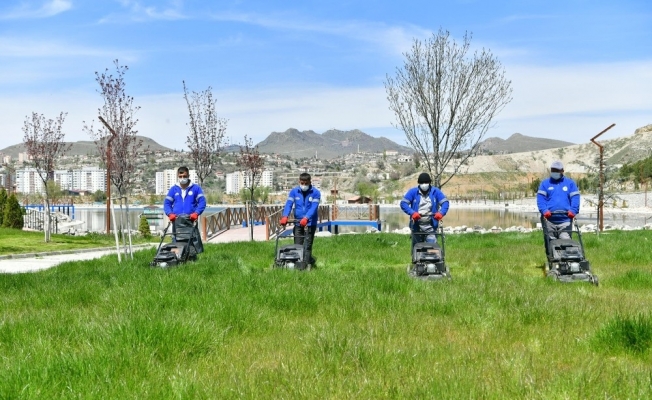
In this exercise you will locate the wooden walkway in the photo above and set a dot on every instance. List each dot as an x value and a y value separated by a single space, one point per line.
240 235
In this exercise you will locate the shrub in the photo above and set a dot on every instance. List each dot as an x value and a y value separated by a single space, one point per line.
143 227
13 214
3 202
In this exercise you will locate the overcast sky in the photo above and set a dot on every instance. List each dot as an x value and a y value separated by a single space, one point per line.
576 66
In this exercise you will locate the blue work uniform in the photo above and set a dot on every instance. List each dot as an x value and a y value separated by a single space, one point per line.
558 195
184 201
305 204
414 201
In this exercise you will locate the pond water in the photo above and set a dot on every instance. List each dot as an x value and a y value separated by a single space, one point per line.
393 218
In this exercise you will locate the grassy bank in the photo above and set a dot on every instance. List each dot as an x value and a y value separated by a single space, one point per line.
14 241
228 326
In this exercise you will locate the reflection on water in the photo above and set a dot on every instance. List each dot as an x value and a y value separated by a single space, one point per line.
393 218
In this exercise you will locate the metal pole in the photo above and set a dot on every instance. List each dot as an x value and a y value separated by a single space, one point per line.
108 172
601 187
108 189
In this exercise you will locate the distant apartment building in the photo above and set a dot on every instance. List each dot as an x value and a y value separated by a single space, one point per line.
240 179
28 181
23 157
165 179
88 179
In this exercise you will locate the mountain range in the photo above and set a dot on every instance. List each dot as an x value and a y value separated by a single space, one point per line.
328 145
518 151
83 147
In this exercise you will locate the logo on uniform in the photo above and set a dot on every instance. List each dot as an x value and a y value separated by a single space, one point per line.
190 192
565 189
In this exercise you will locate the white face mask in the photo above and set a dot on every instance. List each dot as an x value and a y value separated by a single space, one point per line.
184 181
304 188
555 175
424 187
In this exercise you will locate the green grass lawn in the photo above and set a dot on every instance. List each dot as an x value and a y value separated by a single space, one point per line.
228 326
15 241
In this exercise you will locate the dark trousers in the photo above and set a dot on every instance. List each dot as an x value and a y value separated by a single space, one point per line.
308 234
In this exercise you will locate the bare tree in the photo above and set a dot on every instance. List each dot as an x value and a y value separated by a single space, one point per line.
205 139
444 100
252 165
118 149
44 144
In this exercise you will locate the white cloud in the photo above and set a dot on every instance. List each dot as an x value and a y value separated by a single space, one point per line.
24 47
45 10
394 38
138 12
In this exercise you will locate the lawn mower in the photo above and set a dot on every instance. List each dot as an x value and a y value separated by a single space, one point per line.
184 246
565 257
428 258
290 256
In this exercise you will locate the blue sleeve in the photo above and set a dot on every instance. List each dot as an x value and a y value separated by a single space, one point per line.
314 205
289 204
167 203
541 198
406 202
442 202
201 201
574 198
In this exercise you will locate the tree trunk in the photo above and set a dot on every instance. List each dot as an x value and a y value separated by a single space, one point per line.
46 221
250 217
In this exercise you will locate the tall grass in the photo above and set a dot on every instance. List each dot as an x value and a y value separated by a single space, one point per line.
14 241
229 326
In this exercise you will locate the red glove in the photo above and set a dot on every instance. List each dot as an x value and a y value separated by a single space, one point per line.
416 216
571 214
172 217
194 216
438 216
547 214
283 221
303 222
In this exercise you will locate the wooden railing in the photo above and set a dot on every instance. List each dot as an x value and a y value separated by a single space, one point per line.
273 227
365 212
269 215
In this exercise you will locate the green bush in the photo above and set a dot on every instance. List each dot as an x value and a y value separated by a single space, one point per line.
3 202
143 227
13 214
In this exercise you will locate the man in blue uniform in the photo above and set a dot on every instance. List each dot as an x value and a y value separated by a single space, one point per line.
426 205
184 197
558 193
305 200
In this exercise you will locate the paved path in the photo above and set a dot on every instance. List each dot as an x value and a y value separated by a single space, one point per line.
240 235
18 263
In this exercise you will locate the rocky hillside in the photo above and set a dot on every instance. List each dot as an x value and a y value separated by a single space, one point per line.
331 144
518 143
578 158
84 148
